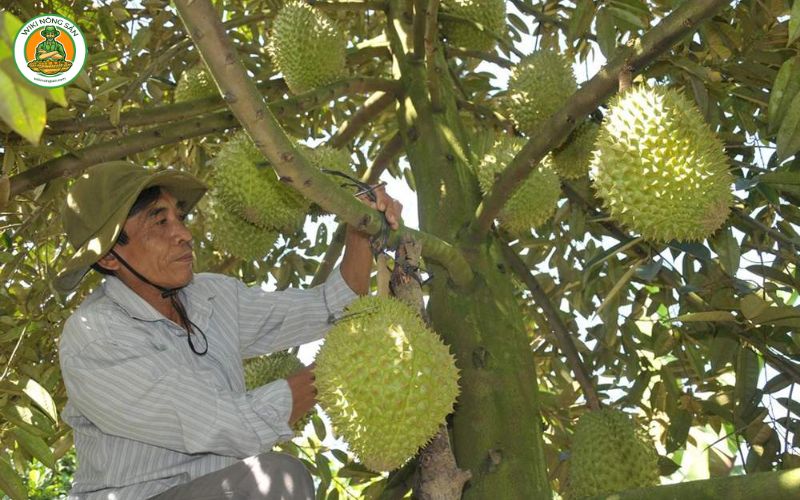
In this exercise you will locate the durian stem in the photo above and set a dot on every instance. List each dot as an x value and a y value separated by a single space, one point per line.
773 484
560 330
483 56
625 78
73 163
681 22
373 107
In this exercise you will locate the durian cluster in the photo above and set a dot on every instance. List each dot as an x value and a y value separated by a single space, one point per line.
489 14
195 83
609 454
307 47
535 199
386 381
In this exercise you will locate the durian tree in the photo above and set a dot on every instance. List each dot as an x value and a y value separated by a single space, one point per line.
608 214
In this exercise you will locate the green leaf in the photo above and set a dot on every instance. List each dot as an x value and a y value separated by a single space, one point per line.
707 316
35 446
775 275
777 383
606 33
728 250
42 398
746 397
785 87
581 19
788 140
679 425
752 305
10 482
22 108
794 24
619 285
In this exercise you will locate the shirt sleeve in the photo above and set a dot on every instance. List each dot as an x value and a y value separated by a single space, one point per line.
142 393
274 321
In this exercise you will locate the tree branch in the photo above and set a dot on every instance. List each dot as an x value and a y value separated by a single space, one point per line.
160 114
374 105
484 56
680 23
430 39
248 106
562 333
72 164
390 149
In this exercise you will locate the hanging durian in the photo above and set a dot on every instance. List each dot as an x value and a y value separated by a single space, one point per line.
659 169
490 14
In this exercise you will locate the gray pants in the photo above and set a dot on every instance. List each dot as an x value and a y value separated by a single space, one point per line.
269 476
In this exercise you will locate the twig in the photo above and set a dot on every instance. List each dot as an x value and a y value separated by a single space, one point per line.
373 107
560 330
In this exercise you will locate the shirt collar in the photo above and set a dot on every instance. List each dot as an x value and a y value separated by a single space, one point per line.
197 305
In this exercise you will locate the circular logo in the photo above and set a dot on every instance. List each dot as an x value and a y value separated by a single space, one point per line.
49 50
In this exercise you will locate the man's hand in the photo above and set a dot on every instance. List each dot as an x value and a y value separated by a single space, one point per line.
389 206
304 394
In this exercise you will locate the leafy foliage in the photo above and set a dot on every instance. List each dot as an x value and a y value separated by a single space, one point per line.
698 340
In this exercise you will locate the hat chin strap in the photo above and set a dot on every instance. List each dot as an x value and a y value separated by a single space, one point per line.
172 294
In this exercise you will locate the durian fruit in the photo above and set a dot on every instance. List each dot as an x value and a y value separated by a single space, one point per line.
658 167
247 185
265 369
327 157
609 454
539 85
386 381
307 47
195 83
490 14
535 199
236 236
572 159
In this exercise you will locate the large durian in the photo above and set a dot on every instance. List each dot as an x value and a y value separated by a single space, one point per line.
307 47
572 159
609 454
195 83
235 235
535 199
658 167
490 14
539 85
386 381
247 185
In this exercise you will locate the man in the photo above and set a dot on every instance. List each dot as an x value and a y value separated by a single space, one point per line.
50 49
152 359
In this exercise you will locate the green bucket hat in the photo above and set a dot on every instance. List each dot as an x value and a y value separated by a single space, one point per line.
50 29
98 204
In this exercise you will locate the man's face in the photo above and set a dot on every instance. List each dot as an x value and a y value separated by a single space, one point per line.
159 245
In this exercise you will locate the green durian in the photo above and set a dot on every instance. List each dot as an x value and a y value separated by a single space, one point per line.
327 157
247 185
491 14
386 381
572 159
195 83
609 454
539 85
270 367
235 235
307 47
535 199
659 169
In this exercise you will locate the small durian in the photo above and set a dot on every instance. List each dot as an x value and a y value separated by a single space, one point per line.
247 185
539 85
307 47
609 454
195 83
270 367
330 158
572 159
535 199
386 381
490 14
659 168
236 236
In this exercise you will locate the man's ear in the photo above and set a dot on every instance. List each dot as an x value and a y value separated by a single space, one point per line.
109 262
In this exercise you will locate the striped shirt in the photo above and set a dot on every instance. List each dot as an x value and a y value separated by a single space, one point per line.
149 414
